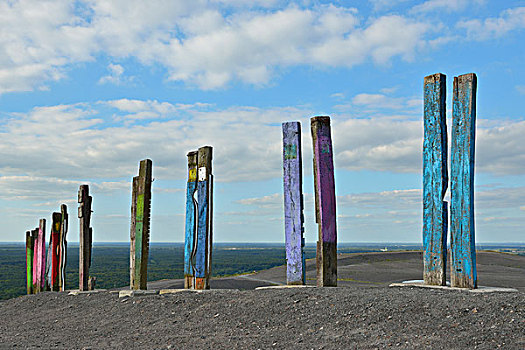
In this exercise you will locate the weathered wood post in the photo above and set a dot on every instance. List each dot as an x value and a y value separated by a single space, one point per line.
39 258
325 207
86 236
30 242
191 222
435 181
203 250
54 244
293 203
140 224
462 235
62 248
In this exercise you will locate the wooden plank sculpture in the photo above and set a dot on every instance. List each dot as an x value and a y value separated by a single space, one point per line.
62 247
86 236
325 207
39 258
462 235
435 181
203 250
53 256
30 243
140 226
293 203
191 222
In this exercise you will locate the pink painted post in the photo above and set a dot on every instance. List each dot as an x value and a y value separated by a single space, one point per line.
39 258
325 207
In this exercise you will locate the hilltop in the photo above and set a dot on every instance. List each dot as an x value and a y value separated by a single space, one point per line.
362 313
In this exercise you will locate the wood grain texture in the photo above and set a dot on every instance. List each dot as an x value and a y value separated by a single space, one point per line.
142 224
85 236
54 244
203 253
462 233
293 203
325 204
39 258
134 185
62 249
29 262
435 180
191 223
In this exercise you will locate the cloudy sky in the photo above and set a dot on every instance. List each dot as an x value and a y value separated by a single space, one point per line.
89 88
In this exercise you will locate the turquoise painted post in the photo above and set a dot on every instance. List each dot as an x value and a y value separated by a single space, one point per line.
435 181
462 235
191 223
204 220
293 203
325 207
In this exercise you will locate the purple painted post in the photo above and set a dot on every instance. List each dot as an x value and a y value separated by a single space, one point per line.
293 203
325 209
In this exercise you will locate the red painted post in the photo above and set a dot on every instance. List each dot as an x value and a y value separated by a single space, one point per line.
325 206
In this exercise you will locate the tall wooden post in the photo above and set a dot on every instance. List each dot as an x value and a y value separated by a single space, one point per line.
54 245
435 181
86 236
203 250
462 235
140 211
325 207
62 248
30 242
293 203
39 258
191 222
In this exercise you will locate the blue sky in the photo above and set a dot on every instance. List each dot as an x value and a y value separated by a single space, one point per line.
89 88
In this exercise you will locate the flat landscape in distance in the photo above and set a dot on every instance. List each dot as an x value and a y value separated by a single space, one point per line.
110 261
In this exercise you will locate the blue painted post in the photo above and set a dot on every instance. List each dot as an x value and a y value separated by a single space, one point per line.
293 203
191 223
325 207
462 235
204 219
435 181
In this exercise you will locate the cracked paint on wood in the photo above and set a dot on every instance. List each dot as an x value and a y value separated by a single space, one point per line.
293 203
39 258
435 180
142 211
462 233
191 224
325 205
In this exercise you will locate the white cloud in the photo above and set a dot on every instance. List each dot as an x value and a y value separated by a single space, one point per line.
116 75
197 42
521 89
494 27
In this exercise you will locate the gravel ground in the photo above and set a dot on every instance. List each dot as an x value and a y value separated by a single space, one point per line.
354 316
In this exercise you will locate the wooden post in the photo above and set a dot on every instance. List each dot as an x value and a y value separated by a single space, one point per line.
29 261
39 258
54 244
293 203
86 236
462 235
435 181
140 210
62 248
325 207
203 250
191 224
